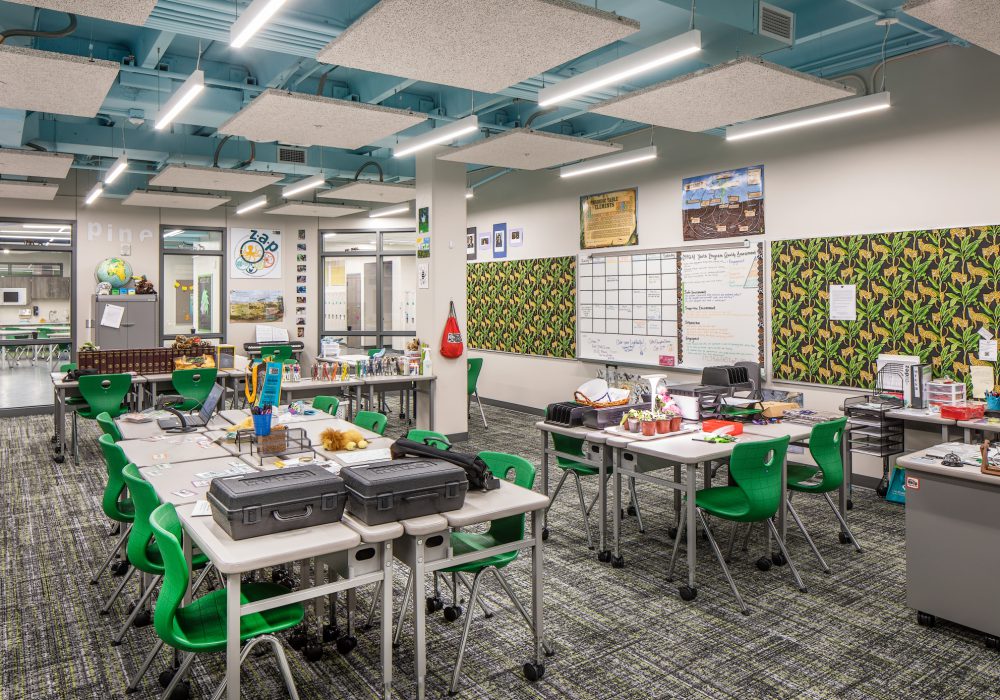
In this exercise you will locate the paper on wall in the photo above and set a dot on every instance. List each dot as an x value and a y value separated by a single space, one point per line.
112 316
988 350
843 302
982 380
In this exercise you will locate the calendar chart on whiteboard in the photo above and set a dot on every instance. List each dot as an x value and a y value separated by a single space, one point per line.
628 309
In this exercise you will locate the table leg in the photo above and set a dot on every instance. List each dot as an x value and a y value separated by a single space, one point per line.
968 436
537 585
431 389
783 509
387 621
945 437
419 623
845 486
692 525
233 636
602 486
545 476
617 560
59 417
677 496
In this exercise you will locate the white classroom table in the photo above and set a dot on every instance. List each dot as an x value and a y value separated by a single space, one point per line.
985 425
167 480
181 447
136 431
919 415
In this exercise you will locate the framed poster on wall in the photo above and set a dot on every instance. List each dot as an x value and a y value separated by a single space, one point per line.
499 240
609 219
726 204
256 253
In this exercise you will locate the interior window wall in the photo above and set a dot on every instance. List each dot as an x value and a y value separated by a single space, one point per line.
192 282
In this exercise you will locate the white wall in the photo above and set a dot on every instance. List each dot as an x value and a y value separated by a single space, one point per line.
929 162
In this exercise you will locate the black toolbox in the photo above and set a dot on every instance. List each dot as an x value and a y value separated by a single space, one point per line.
404 488
251 505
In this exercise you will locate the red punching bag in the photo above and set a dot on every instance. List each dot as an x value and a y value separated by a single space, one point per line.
451 339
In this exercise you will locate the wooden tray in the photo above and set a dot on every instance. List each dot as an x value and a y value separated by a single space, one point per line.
619 431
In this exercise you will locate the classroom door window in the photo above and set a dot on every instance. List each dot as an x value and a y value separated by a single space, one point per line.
192 281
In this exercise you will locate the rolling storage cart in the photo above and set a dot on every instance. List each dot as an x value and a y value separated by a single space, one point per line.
872 432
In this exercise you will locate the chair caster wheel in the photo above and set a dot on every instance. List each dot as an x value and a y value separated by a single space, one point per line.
434 604
166 676
345 645
143 619
181 692
687 593
545 534
330 633
778 559
672 532
925 619
452 612
534 671
844 538
618 562
297 640
312 652
764 564
59 459
850 504
631 510
992 641
604 556
119 568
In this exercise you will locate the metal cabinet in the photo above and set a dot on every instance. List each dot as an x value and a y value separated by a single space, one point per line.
138 324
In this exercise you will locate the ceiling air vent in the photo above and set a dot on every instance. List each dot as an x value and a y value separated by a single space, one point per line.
776 23
291 154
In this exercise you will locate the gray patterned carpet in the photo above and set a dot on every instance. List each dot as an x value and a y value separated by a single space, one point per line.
618 633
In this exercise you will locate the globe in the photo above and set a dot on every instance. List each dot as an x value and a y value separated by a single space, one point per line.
114 271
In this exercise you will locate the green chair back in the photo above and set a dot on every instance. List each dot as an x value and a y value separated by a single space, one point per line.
370 420
194 385
825 443
104 393
430 437
108 426
145 501
503 466
756 469
67 367
111 501
475 366
330 404
167 530
278 353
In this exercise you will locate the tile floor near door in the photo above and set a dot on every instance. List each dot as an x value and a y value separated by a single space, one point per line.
618 633
25 385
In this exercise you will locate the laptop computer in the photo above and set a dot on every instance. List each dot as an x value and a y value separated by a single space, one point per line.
204 415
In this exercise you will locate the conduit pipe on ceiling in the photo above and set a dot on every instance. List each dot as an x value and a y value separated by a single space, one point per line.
57 34
381 176
238 166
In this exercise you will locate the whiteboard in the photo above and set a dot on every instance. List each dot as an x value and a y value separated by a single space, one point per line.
668 309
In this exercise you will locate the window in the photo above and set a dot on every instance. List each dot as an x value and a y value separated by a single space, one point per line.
369 287
192 282
32 269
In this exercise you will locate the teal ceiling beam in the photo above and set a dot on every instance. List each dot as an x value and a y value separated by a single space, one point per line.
150 47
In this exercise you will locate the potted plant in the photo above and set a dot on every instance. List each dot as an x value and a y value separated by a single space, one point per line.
662 423
630 420
648 423
674 419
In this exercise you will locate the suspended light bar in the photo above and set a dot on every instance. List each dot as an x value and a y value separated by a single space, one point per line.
252 204
252 19
116 169
469 194
190 89
389 211
436 137
615 72
310 183
94 193
175 232
617 160
851 107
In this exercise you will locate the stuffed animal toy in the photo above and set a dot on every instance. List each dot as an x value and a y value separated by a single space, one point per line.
338 440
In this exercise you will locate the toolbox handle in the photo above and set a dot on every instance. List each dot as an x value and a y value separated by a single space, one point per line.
305 514
430 494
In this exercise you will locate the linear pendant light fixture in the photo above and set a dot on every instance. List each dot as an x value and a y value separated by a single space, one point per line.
190 89
436 137
251 21
310 183
615 72
842 109
389 210
252 204
116 169
95 192
618 160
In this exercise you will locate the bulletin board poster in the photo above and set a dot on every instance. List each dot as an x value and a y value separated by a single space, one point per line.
609 219
470 243
726 204
256 253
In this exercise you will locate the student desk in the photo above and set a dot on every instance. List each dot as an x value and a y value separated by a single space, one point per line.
351 386
138 431
411 384
166 481
183 447
425 547
952 532
981 424
60 390
919 415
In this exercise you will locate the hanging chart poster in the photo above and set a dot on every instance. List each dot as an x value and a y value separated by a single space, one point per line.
722 306
256 253
724 205
609 219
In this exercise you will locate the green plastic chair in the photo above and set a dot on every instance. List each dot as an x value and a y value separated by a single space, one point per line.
370 420
18 352
430 437
144 554
194 385
825 445
101 393
278 353
108 426
118 507
330 404
475 367
200 626
755 468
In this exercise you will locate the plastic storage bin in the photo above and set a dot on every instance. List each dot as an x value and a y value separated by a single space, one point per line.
265 503
942 393
404 488
969 411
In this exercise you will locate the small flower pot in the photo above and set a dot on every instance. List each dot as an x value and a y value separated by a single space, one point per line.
675 424
662 426
632 425
648 427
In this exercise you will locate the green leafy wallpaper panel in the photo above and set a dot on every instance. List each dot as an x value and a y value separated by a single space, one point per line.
523 306
923 293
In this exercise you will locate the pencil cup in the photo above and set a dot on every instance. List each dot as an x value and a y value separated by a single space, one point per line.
993 403
262 424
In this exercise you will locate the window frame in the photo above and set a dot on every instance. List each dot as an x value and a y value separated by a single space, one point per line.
223 287
380 254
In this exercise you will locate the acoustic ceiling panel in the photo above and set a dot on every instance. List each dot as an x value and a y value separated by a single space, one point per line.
733 92
484 45
525 149
311 209
215 179
43 81
311 120
173 200
124 11
14 189
34 163
370 191
976 21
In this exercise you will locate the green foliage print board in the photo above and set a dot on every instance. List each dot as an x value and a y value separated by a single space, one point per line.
922 293
523 306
